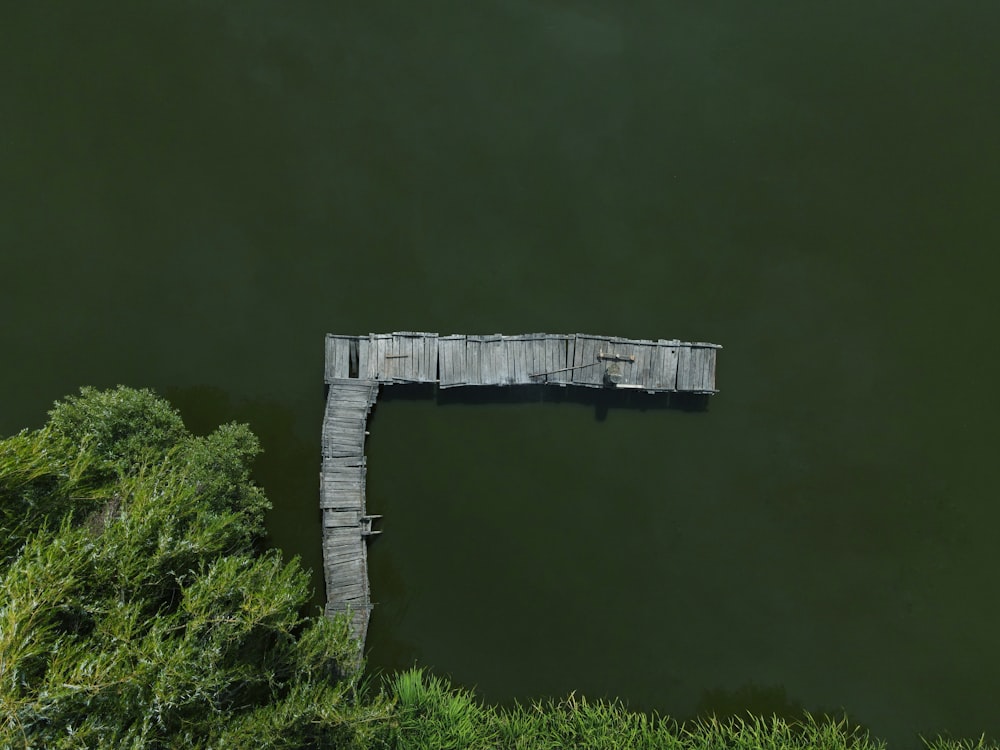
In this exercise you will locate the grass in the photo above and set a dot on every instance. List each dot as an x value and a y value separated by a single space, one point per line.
431 713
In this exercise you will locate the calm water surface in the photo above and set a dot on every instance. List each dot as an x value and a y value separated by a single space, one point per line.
192 194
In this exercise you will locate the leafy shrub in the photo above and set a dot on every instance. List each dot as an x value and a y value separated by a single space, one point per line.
145 616
122 427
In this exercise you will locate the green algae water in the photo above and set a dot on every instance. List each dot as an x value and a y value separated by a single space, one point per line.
194 193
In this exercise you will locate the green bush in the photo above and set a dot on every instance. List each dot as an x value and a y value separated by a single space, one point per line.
135 609
123 427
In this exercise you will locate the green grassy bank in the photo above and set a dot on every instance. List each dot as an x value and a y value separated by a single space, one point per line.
430 713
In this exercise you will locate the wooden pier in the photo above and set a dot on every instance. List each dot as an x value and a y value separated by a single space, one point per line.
357 365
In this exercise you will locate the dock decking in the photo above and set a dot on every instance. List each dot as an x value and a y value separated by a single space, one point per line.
342 499
576 359
357 365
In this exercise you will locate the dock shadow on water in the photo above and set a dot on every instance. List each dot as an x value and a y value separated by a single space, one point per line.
603 400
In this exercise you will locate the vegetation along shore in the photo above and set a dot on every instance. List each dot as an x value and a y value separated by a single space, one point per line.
139 608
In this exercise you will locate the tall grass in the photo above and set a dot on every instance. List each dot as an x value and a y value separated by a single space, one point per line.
942 743
432 714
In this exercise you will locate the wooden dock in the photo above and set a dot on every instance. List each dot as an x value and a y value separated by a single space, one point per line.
357 365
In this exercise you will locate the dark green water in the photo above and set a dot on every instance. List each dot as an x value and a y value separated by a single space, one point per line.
192 194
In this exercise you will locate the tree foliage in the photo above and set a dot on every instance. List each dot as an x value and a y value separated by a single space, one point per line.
136 609
122 427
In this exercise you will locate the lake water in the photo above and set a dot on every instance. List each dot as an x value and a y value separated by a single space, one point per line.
194 193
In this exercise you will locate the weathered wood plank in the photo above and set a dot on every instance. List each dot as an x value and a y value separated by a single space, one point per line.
473 367
513 351
515 348
455 350
342 496
587 371
471 361
341 441
333 486
388 362
393 361
476 354
590 373
627 352
499 372
431 358
384 363
407 361
339 518
555 359
651 350
460 367
461 372
705 368
414 345
498 360
411 349
699 368
695 378
426 347
505 365
446 353
634 371
330 358
493 353
684 369
526 360
577 356
415 366
550 363
366 358
488 351
379 352
420 355
536 360
666 378
703 384
501 364
570 356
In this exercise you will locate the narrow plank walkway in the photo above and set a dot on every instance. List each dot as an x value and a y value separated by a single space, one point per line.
356 366
342 500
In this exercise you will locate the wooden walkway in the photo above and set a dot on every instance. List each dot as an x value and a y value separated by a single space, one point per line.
342 500
576 359
357 365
